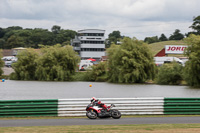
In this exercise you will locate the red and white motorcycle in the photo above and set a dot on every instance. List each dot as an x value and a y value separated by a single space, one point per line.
94 111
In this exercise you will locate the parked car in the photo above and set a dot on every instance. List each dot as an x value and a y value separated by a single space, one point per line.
5 58
9 60
85 64
161 60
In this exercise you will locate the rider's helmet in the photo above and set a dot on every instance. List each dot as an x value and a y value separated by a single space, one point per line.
93 99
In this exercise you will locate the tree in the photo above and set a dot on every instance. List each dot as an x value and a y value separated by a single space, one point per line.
192 66
41 36
170 74
25 66
97 73
2 43
14 28
1 63
15 41
2 32
57 63
176 35
56 29
130 62
150 40
163 38
16 36
189 33
64 36
113 37
196 25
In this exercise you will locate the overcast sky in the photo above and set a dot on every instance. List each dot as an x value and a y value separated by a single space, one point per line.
133 18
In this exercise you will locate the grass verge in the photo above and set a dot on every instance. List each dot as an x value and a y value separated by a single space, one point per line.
150 128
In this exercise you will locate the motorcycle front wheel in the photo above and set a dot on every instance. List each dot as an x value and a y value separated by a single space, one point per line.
91 114
115 114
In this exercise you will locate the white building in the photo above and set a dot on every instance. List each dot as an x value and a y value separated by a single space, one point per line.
89 43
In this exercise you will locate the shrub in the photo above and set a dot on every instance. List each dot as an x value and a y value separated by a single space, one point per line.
192 66
170 74
25 66
57 63
98 73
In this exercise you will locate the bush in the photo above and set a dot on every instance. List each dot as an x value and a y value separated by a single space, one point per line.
79 76
170 74
25 66
4 77
57 63
131 62
98 73
192 66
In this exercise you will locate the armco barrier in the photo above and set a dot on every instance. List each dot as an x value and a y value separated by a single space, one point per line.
22 108
76 107
182 106
127 106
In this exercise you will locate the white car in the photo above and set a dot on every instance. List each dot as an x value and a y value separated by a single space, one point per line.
161 60
9 60
85 64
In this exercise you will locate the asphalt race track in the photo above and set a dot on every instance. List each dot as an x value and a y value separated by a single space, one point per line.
107 121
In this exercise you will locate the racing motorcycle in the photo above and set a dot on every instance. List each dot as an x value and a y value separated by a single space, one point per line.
94 111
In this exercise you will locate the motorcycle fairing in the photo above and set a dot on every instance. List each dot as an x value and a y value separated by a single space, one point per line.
97 108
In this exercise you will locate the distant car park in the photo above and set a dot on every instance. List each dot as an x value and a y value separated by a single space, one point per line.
9 60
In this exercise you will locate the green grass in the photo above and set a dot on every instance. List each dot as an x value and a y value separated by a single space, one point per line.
158 46
145 128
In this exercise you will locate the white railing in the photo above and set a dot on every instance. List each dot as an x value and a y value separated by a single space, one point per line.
127 106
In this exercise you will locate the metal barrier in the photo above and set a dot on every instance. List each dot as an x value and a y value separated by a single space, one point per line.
182 106
127 106
76 107
23 108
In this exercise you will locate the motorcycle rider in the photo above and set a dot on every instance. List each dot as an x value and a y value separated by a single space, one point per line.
96 102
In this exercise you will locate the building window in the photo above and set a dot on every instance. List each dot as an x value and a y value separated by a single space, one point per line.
93 49
90 34
92 42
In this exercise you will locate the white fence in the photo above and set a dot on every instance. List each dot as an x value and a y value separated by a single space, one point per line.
127 106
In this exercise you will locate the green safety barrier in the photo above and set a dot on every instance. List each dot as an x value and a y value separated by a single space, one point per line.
23 108
49 107
182 106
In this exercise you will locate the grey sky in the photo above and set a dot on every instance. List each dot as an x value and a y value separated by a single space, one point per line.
133 18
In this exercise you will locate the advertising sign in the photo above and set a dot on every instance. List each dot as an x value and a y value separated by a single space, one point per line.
174 49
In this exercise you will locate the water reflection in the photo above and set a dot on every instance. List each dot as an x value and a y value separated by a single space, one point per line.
61 90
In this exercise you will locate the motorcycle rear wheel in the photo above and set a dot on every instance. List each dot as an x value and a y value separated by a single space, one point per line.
115 114
91 114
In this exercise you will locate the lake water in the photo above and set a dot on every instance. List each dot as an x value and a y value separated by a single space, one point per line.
19 90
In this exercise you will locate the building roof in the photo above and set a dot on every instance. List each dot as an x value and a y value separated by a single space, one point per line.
161 53
20 48
91 31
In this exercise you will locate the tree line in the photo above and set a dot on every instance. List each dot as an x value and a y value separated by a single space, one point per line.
16 36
